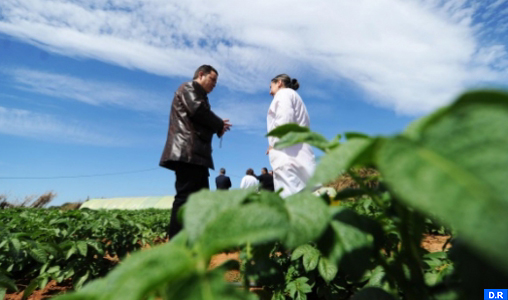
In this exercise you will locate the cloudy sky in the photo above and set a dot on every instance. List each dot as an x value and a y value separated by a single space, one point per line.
86 85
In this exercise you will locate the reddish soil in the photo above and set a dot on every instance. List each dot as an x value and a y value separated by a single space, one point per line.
217 260
52 289
435 243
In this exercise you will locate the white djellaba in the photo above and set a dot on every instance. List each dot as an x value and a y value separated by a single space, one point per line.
292 166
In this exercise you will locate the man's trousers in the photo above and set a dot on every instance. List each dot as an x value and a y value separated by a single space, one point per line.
190 178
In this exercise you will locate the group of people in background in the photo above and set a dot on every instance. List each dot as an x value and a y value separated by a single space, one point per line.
250 180
192 124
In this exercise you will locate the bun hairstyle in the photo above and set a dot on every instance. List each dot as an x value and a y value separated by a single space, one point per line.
287 81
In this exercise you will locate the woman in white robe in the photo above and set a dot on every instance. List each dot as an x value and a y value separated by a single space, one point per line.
292 166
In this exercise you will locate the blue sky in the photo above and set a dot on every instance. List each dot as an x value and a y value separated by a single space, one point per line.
86 85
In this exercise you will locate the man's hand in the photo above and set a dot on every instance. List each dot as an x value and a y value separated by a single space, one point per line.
227 127
269 148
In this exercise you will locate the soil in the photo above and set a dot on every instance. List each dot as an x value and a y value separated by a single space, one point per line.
217 260
435 243
432 243
50 290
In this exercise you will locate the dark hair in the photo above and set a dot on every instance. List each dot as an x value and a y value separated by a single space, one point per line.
222 171
287 81
206 69
264 169
250 172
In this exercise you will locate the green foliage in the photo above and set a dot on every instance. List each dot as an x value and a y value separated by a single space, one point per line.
234 221
7 283
292 134
298 288
460 156
285 129
373 293
155 268
307 216
310 256
354 152
44 244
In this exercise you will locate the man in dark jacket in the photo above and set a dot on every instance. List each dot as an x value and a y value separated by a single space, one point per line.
188 149
266 180
222 182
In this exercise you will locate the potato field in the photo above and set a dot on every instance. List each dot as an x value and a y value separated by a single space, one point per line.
445 174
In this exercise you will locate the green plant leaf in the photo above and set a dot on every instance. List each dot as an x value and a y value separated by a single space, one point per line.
253 222
278 295
204 206
43 282
475 270
96 245
43 268
300 296
81 280
140 274
8 283
71 251
294 138
15 245
209 286
50 249
298 287
284 129
354 135
291 289
349 242
310 256
181 238
82 247
31 288
53 269
377 277
38 254
308 218
340 159
371 293
335 142
350 193
300 251
456 170
327 269
414 130
3 291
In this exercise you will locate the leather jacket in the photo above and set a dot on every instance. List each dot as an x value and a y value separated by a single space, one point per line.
192 125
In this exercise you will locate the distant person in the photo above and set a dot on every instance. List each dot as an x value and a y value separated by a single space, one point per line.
222 182
292 166
188 149
266 180
249 180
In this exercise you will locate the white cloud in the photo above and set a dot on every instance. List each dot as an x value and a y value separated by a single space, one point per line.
88 91
46 127
411 56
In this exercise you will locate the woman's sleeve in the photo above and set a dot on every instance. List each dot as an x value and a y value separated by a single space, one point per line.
283 113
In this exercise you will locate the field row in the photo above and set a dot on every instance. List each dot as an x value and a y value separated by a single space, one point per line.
39 245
